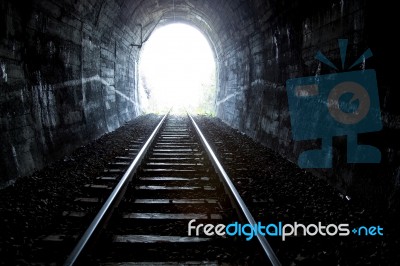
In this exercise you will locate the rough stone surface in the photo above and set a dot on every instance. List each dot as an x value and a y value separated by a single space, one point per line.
67 77
68 73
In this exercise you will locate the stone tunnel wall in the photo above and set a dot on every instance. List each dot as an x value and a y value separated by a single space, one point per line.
67 77
280 42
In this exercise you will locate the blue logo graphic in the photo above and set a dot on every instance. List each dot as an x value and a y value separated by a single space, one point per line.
339 104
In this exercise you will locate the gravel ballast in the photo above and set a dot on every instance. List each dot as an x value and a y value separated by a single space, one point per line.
31 206
274 189
277 190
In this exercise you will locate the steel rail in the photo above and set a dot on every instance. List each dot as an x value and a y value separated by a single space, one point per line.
236 196
112 199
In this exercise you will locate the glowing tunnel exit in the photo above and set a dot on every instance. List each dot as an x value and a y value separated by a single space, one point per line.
177 68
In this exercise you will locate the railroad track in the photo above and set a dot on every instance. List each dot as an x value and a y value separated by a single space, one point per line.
146 200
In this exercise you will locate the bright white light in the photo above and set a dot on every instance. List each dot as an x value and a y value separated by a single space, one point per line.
176 63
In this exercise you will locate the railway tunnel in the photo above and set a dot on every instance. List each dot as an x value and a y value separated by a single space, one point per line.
70 73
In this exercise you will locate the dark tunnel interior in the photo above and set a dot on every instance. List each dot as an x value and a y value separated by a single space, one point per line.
69 75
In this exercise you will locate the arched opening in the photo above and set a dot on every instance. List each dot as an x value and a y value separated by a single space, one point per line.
177 68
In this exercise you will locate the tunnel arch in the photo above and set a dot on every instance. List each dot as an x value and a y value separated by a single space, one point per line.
230 26
204 15
221 31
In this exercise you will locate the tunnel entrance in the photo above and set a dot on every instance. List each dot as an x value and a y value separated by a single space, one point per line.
177 68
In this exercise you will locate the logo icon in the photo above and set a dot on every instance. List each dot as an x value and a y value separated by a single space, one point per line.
338 104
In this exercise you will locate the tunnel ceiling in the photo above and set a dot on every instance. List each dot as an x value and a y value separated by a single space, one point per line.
221 21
